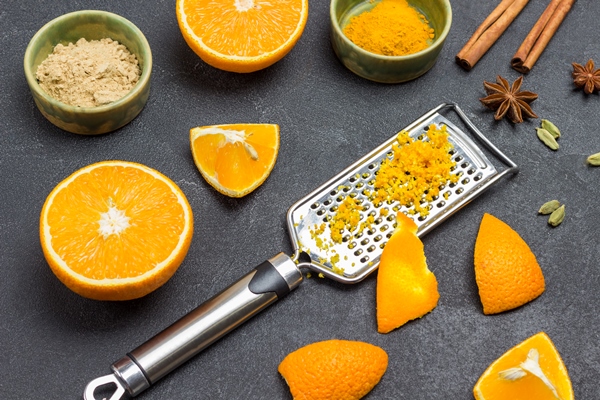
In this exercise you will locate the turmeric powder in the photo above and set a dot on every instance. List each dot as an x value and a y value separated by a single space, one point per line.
391 28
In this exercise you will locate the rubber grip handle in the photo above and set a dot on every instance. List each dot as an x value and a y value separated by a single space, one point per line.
210 321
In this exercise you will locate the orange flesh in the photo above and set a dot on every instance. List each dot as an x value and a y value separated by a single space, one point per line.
156 221
229 163
244 28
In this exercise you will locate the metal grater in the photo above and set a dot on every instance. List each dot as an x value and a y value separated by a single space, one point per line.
276 277
360 253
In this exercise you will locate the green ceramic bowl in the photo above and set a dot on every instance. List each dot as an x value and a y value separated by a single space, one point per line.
91 25
388 69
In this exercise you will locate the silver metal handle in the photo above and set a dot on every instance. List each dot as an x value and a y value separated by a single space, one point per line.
154 359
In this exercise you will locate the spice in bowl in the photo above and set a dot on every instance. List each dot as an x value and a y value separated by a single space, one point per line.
89 73
391 28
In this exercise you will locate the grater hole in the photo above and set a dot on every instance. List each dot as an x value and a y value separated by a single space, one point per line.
339 199
478 177
314 206
366 208
345 238
333 192
452 152
327 202
365 242
422 218
371 249
371 231
346 189
360 185
364 259
378 221
465 181
458 158
453 168
395 225
390 218
371 182
320 212
452 184
353 179
471 171
358 252
389 235
351 245
378 238
390 154
460 190
464 165
372 166
352 195
421 137
372 213
358 235
441 204
365 175
334 208
384 228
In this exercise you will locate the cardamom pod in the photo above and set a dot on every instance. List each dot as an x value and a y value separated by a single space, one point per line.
551 128
547 138
594 160
549 207
557 216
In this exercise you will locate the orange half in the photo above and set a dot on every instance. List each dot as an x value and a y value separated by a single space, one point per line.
241 35
532 370
115 230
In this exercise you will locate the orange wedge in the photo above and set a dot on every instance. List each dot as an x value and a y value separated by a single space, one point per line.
506 270
235 159
333 370
241 35
532 370
115 230
406 288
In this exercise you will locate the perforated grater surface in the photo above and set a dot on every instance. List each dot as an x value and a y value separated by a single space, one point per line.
359 253
273 279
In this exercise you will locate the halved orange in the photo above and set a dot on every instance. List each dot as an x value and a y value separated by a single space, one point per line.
235 159
241 35
115 230
406 288
533 369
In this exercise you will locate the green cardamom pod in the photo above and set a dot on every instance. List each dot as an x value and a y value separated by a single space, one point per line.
594 160
551 128
549 207
557 216
547 138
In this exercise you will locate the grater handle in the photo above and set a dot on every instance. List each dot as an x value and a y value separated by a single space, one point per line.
261 287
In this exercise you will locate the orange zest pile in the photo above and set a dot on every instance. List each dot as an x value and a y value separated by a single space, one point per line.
531 370
115 230
406 288
235 159
506 270
333 370
241 35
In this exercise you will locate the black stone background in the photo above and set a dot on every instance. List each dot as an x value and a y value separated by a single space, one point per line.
52 342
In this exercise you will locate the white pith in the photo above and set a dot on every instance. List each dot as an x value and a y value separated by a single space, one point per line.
113 222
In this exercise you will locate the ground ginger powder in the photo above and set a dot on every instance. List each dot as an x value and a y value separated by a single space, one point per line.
391 28
89 73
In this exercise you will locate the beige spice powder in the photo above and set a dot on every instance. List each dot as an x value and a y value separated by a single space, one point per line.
89 73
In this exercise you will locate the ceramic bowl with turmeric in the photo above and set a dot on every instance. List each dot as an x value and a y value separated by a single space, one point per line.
389 41
117 107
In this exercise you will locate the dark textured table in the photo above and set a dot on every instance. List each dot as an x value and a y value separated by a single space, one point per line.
52 342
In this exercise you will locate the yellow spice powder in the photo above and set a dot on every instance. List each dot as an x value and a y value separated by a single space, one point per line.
391 28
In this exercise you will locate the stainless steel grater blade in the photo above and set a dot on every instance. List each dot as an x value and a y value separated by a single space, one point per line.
359 253
279 275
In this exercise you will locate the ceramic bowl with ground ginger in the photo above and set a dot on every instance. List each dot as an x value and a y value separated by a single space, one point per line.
389 41
61 102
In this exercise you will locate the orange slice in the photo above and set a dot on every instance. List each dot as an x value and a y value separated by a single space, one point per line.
235 159
115 230
406 288
531 370
506 270
333 370
241 35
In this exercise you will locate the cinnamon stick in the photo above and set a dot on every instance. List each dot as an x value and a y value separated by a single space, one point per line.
540 35
489 31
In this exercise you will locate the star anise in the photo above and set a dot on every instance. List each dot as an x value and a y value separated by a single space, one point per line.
509 100
586 77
